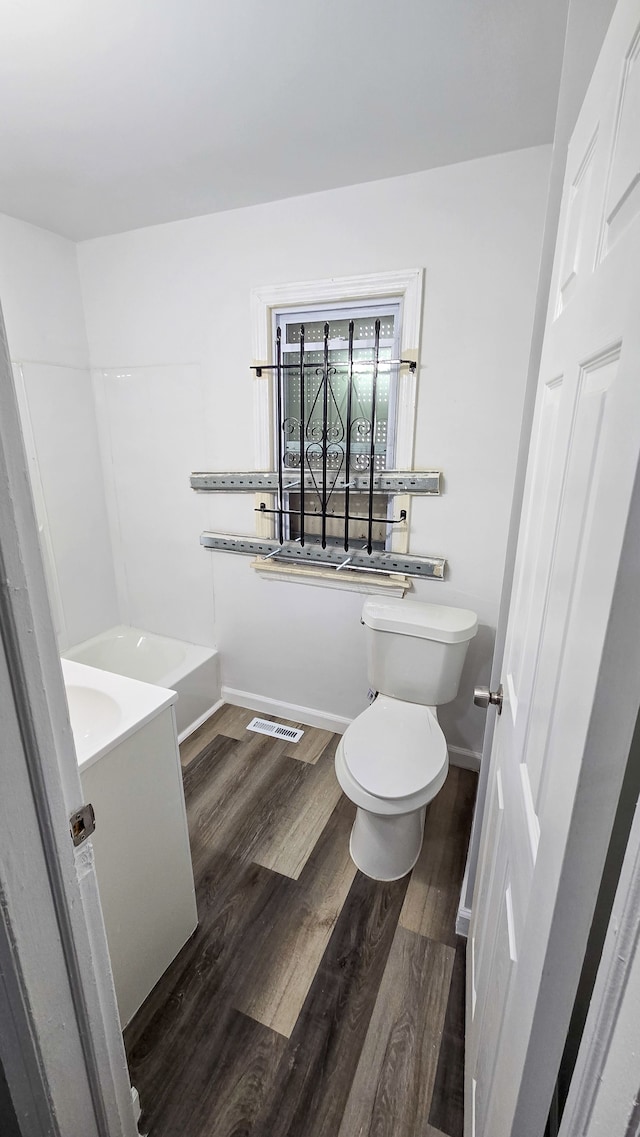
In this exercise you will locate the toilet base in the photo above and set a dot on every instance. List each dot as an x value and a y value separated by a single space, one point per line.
387 847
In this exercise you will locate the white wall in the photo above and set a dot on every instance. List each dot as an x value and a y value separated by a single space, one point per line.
174 299
153 433
42 305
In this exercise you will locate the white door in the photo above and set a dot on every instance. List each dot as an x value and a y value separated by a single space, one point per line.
571 672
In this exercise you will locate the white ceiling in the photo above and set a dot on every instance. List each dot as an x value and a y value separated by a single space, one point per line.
123 113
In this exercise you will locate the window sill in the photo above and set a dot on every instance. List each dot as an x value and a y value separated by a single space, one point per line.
345 580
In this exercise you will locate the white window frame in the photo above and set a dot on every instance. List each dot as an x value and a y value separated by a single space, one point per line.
405 285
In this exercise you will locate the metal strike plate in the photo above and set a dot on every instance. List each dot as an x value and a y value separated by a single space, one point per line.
82 823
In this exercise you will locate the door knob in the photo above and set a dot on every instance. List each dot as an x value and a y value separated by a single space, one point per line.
483 697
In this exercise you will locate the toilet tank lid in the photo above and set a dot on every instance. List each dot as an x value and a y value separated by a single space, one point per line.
426 621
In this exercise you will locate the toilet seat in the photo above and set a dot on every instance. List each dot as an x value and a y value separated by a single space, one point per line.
395 750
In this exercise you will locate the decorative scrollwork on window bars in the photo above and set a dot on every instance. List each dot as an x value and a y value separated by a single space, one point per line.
331 429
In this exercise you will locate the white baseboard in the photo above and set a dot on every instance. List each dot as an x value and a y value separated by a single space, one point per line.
199 721
335 723
463 922
458 756
466 759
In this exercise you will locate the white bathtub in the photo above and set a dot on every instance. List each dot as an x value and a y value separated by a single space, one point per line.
191 671
125 737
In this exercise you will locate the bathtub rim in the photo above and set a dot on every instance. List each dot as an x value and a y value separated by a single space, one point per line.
195 654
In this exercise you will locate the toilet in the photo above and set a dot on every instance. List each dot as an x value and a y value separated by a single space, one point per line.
392 759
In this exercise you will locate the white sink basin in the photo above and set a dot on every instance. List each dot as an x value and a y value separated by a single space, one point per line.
105 708
94 716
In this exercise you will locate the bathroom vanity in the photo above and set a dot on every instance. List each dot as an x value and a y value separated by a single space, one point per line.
126 742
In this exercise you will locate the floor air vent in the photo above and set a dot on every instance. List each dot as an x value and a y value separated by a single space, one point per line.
277 729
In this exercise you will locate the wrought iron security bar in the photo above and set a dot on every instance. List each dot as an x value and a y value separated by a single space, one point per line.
332 419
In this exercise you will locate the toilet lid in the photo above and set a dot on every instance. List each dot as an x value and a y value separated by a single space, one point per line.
394 749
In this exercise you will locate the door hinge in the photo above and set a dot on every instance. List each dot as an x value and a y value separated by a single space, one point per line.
82 823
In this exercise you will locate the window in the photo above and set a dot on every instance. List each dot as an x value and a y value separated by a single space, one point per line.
334 478
335 398
395 299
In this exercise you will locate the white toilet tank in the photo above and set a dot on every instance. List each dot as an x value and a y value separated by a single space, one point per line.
416 651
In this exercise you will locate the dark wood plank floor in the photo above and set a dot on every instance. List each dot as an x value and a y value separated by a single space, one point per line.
311 1001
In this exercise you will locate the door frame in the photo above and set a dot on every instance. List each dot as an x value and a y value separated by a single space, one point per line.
60 1041
612 1026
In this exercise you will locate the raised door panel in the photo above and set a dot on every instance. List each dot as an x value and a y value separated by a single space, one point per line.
596 378
623 182
531 558
503 958
480 938
575 255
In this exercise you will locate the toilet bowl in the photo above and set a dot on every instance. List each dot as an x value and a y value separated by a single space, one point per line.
391 761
